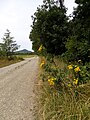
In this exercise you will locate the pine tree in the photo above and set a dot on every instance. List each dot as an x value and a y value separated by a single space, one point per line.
8 46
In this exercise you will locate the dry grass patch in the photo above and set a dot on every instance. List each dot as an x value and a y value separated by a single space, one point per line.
6 62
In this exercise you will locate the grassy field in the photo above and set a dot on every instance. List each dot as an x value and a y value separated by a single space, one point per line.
5 62
25 56
18 58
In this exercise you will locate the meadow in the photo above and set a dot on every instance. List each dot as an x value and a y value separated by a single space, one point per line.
17 58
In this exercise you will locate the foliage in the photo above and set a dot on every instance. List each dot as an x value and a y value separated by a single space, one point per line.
72 75
78 43
58 35
51 31
8 47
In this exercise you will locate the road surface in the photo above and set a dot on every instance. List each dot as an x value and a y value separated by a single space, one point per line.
17 83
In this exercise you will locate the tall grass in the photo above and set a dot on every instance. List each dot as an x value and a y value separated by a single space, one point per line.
64 105
5 62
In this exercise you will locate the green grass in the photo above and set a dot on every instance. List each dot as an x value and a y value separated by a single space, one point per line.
25 56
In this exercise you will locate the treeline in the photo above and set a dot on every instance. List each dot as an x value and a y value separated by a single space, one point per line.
8 46
59 34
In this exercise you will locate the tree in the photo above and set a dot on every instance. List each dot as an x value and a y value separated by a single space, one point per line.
50 27
8 47
78 44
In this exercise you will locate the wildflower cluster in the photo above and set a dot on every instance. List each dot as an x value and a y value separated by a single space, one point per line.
80 73
75 67
51 80
70 76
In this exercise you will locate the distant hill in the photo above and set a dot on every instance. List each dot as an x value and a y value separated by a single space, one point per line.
24 51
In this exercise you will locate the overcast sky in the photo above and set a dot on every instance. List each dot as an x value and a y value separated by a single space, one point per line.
15 15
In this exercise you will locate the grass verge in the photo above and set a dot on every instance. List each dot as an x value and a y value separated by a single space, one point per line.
6 62
64 105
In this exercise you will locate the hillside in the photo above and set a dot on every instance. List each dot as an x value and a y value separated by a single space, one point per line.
24 51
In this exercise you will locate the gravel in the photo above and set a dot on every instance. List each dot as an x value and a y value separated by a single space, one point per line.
17 83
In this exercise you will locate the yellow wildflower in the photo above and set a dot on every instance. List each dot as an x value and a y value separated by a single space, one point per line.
51 80
40 48
70 67
69 85
51 83
42 63
77 69
75 81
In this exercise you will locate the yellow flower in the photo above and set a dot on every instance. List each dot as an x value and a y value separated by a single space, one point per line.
70 67
75 81
51 83
77 69
40 48
69 85
42 63
51 80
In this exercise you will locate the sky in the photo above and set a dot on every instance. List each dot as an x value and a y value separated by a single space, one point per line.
15 15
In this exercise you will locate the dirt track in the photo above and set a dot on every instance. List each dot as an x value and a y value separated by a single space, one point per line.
17 83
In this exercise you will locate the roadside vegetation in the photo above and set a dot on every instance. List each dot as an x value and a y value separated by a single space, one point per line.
63 43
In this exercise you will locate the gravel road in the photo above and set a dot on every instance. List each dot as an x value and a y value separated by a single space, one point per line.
17 83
